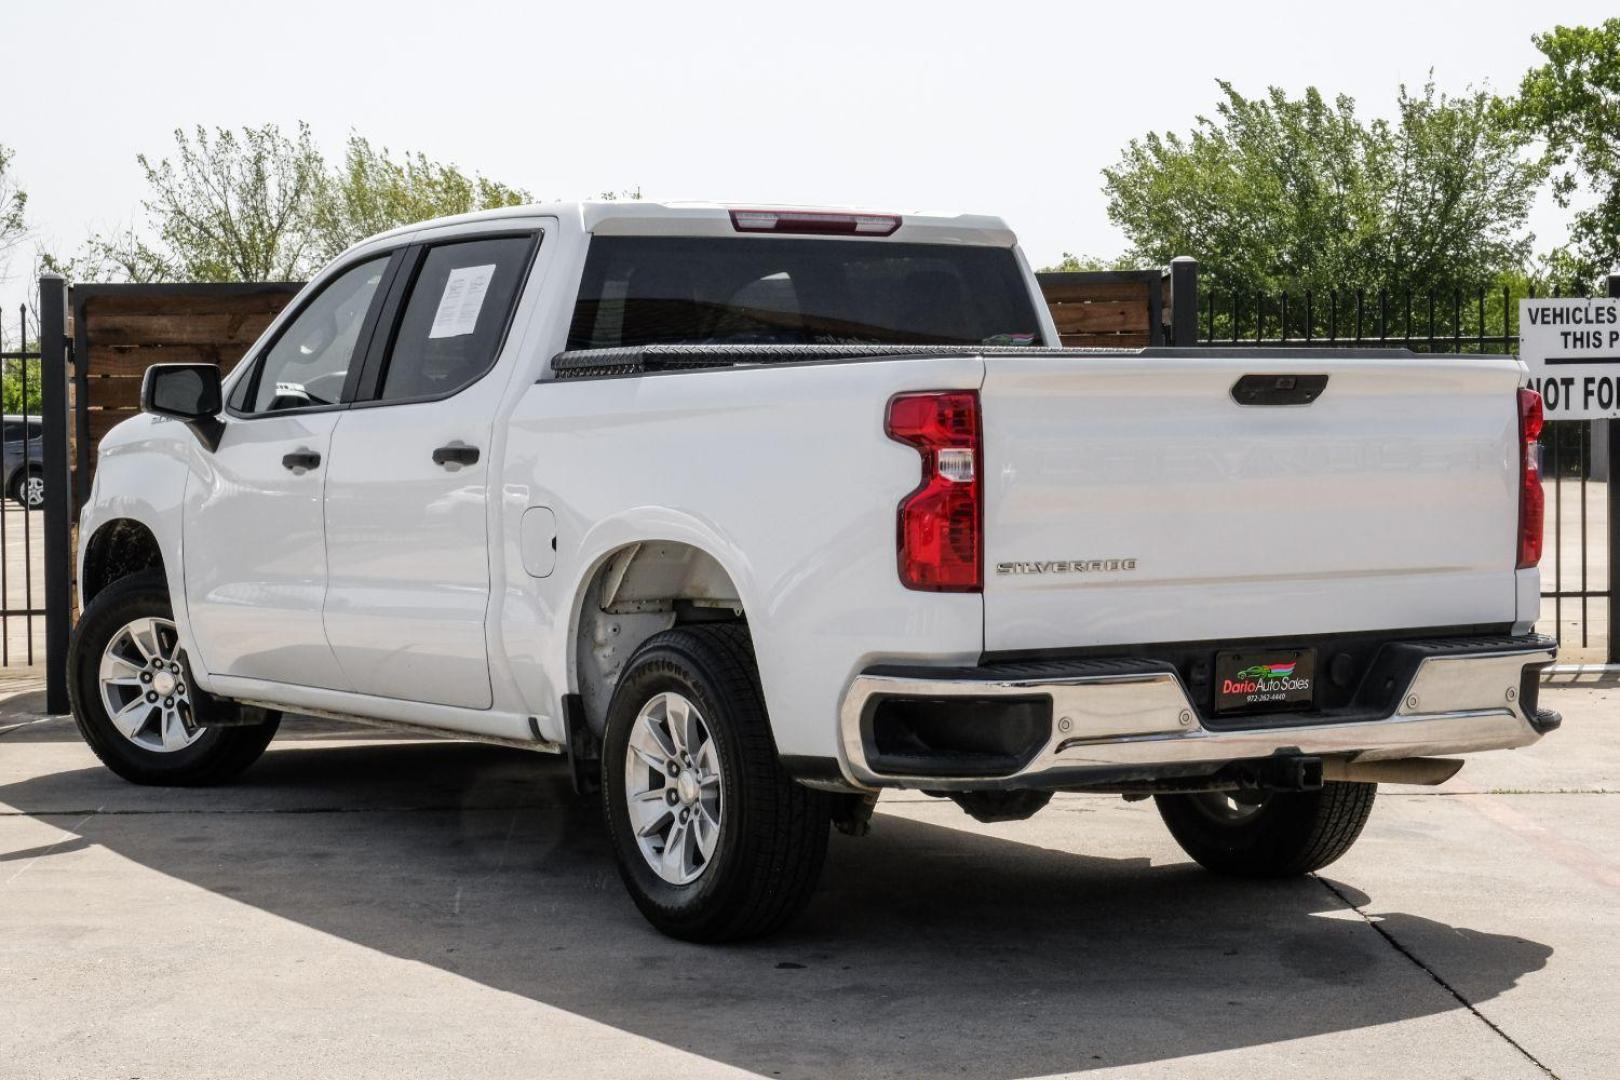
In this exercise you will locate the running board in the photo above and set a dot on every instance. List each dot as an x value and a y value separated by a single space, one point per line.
538 744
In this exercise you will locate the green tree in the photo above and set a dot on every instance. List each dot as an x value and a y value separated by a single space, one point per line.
1277 193
259 204
13 204
12 400
1071 262
231 207
13 227
372 192
119 256
1572 102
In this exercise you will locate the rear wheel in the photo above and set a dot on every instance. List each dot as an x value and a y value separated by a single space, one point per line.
713 839
1275 834
133 698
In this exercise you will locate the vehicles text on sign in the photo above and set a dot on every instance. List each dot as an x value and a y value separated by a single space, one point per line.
1572 347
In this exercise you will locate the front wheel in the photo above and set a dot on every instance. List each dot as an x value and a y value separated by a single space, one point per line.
133 697
28 489
1276 834
713 839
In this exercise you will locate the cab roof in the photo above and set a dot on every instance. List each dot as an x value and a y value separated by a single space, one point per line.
635 217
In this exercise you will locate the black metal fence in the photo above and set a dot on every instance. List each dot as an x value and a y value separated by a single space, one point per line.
1459 321
22 489
1578 456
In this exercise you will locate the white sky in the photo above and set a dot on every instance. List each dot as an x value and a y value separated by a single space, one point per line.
1005 107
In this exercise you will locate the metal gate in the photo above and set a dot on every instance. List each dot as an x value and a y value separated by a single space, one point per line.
22 489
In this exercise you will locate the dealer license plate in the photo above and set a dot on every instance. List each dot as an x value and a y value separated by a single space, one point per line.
1257 681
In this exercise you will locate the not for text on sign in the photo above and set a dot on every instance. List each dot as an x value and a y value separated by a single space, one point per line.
1572 347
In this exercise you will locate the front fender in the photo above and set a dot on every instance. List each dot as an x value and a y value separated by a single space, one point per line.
142 469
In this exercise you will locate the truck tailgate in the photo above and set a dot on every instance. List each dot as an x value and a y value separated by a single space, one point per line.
1131 499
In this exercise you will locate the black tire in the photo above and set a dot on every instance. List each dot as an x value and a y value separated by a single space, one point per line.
218 754
1291 833
772 837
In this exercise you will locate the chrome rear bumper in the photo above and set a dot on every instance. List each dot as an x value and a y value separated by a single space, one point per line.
1139 723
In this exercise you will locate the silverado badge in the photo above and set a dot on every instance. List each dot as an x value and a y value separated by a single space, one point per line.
1067 566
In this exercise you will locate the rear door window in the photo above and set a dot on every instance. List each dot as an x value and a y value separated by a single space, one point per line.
454 316
781 291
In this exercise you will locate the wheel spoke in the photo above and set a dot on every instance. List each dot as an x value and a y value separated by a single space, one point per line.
132 717
649 818
707 831
678 716
659 736
675 862
143 635
653 761
112 663
696 744
175 736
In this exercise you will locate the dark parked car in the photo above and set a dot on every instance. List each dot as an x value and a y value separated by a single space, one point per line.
22 464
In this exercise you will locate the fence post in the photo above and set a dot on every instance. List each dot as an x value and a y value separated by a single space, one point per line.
1613 502
58 539
1183 301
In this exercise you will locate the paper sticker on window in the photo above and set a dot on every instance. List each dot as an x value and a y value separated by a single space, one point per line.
462 299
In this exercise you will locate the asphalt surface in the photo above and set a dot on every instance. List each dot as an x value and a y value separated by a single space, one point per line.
363 906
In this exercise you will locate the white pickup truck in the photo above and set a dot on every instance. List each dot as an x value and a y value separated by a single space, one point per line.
756 513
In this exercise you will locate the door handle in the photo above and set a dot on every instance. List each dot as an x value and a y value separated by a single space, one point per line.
455 454
301 460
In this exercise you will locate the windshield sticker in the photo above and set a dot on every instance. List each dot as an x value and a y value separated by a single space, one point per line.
463 297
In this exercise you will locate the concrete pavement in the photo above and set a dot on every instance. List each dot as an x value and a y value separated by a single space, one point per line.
365 906
22 582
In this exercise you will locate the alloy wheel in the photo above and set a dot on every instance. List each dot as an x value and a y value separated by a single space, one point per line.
144 687
673 788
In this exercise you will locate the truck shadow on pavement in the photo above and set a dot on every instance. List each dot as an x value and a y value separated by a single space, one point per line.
927 950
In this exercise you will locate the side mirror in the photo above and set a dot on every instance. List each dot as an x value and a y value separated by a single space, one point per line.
188 392
184 391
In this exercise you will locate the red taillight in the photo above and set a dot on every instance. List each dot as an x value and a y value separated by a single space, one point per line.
1532 500
814 221
941 536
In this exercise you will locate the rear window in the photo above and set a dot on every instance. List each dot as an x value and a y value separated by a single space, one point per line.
779 291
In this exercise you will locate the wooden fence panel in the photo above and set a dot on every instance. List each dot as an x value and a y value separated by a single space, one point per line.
1110 309
121 330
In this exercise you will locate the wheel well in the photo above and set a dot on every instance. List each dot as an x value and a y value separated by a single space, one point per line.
118 549
638 591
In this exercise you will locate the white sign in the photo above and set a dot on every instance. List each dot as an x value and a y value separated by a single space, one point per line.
1572 348
461 300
